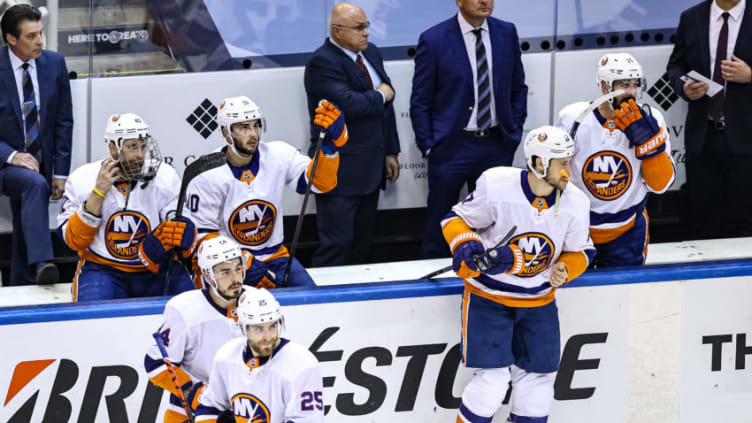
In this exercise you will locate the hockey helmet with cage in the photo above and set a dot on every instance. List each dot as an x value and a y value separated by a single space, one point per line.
616 67
214 251
547 142
126 126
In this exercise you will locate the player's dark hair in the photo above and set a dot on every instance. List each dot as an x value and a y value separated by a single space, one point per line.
12 18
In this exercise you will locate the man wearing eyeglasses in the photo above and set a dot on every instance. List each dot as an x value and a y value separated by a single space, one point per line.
468 105
349 71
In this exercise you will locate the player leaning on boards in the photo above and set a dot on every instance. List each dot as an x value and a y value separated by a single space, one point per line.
114 213
242 200
623 151
196 323
262 377
510 323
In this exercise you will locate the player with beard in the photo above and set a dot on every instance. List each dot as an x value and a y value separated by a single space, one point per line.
623 152
242 199
510 323
114 213
196 323
262 377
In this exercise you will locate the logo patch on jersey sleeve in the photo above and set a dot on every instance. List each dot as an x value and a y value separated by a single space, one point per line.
607 175
253 222
249 409
123 233
538 251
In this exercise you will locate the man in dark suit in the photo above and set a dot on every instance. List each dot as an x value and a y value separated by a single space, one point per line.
35 140
714 38
349 71
468 105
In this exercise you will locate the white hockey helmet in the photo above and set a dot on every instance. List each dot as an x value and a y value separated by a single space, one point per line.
547 142
214 251
238 109
258 306
127 126
619 66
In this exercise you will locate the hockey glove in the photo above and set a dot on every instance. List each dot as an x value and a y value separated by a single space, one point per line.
641 129
182 234
152 252
507 258
331 119
259 275
462 261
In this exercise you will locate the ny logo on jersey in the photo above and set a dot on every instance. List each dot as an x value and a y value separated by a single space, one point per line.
253 222
537 250
607 175
123 233
249 409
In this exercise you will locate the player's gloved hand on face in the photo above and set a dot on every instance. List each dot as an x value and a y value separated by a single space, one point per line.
259 275
641 129
462 260
152 252
330 118
507 258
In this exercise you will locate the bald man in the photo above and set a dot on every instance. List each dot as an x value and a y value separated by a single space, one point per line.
349 71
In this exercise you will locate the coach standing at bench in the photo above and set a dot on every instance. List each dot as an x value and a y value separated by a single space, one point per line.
35 140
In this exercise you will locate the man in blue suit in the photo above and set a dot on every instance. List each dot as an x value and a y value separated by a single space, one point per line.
468 105
349 71
35 140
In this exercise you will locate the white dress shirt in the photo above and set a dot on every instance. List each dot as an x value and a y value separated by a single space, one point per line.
17 65
375 79
716 23
469 38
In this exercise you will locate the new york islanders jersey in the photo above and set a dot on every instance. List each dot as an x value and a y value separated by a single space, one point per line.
113 238
503 199
193 328
607 169
286 387
245 204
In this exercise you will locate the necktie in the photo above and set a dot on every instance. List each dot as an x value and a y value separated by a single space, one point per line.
717 102
30 115
484 87
362 66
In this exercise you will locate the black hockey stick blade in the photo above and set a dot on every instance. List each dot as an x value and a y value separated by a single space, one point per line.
299 224
476 258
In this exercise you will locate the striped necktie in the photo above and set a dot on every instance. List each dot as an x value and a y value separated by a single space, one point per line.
30 115
483 84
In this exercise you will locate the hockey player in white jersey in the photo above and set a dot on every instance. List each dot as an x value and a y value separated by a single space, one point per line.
114 214
623 152
262 377
510 324
197 323
242 200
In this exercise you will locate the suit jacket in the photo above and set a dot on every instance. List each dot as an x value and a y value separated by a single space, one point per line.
692 52
55 114
443 86
330 74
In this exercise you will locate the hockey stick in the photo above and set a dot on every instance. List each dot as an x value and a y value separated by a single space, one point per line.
477 259
174 376
299 224
202 164
589 109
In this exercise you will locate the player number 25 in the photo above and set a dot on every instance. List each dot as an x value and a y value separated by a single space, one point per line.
311 399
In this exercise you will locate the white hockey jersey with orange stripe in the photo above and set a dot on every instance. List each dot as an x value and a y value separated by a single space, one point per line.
193 328
503 199
245 204
607 169
113 239
286 387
